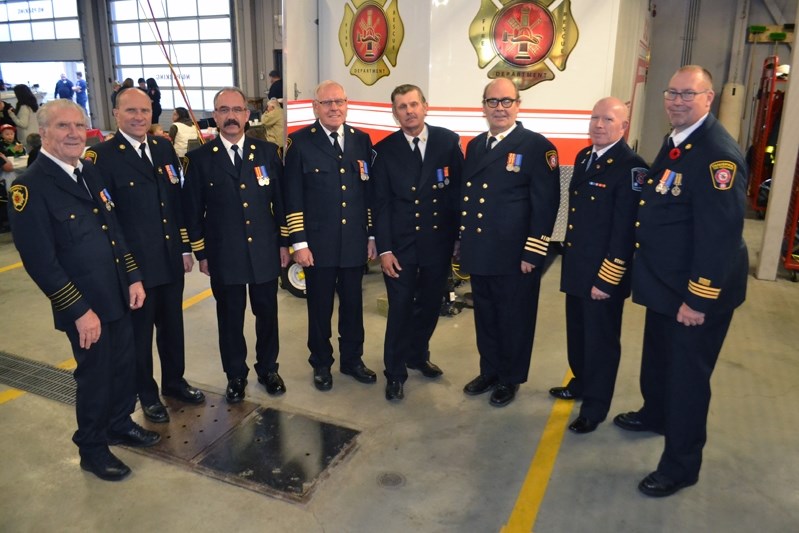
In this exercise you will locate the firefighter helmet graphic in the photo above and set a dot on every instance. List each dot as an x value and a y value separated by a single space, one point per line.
522 39
368 36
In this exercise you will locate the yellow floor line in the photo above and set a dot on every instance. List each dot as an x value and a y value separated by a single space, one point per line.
10 267
70 363
525 511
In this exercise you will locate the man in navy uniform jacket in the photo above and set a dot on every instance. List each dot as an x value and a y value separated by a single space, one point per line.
65 228
417 182
143 175
603 201
690 270
510 197
234 216
328 171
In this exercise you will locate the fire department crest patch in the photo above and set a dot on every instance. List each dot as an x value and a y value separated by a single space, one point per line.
638 177
522 39
552 159
723 174
19 197
369 35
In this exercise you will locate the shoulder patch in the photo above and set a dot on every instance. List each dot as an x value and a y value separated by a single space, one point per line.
552 159
19 197
638 176
184 163
723 174
90 155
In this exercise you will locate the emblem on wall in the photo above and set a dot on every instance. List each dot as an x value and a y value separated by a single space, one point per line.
370 34
521 39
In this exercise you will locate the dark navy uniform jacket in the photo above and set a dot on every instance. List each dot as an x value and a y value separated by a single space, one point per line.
148 204
416 210
690 246
507 216
327 199
603 201
235 220
71 244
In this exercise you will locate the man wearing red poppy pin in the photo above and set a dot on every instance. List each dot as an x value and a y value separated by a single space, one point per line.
689 271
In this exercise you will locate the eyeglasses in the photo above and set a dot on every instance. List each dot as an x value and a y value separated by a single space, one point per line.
687 96
494 102
229 110
329 103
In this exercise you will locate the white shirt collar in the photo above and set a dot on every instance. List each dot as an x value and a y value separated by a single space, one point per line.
678 138
69 169
503 134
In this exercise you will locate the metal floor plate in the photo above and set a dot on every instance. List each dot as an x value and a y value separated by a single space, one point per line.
38 378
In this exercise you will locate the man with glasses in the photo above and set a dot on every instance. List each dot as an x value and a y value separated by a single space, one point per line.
689 271
417 181
143 176
234 215
328 176
66 230
510 197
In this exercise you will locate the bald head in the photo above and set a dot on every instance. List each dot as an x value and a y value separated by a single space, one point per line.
609 121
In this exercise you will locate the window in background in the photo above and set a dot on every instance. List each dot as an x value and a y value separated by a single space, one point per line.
199 40
38 20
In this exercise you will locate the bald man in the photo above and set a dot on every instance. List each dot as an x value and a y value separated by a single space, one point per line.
603 200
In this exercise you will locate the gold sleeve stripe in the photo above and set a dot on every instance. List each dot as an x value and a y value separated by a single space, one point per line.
198 246
611 273
57 294
184 235
536 247
703 292
66 303
294 216
64 297
369 217
296 222
284 231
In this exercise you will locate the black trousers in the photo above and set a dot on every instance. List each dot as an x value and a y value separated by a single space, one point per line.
106 389
414 301
676 366
162 309
231 301
593 330
322 284
505 310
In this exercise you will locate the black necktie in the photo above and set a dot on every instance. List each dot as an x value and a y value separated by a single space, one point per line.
591 160
143 150
336 145
491 141
671 142
416 151
236 157
82 182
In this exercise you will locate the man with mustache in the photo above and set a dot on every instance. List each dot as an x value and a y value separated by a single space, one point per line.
234 215
511 190
328 175
143 175
417 182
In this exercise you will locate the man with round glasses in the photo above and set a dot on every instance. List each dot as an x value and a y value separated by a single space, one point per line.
510 197
689 271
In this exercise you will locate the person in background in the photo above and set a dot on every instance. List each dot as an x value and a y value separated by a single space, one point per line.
158 131
236 226
182 130
511 195
24 114
417 180
8 144
142 84
689 271
272 119
34 142
92 299
328 174
155 96
275 86
597 252
142 174
63 88
81 96
115 88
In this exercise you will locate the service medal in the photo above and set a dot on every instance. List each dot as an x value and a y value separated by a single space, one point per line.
517 162
261 174
676 190
364 167
509 165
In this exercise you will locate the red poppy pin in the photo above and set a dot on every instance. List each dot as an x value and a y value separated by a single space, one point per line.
674 153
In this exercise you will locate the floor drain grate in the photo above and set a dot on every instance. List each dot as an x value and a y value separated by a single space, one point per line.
38 378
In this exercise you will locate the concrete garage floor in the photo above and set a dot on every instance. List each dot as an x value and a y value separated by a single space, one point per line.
459 464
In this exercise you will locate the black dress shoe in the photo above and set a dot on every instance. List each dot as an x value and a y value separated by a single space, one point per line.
186 393
582 425
235 390
631 421
428 369
273 383
657 485
104 465
322 378
135 437
155 413
394 390
360 373
479 385
503 394
563 393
